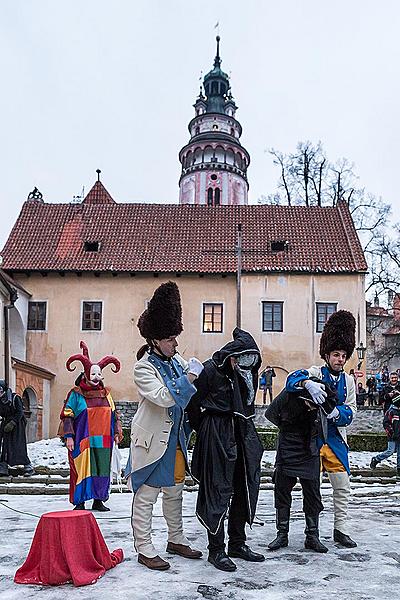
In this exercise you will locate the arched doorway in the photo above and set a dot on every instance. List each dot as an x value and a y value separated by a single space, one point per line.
29 400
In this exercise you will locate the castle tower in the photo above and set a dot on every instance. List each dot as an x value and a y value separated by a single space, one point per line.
214 163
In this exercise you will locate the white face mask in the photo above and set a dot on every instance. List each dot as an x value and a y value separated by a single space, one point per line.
246 361
95 374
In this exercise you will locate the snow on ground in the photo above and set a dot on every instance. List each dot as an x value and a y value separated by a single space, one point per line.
51 453
370 571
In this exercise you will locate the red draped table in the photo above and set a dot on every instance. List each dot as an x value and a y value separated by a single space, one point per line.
67 546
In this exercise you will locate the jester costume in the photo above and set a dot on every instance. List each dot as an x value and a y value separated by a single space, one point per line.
90 418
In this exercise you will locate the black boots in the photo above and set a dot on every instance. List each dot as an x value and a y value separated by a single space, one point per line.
80 506
244 552
282 525
312 541
343 539
98 505
221 561
373 463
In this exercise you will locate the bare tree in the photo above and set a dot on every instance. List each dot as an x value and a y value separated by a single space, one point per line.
307 177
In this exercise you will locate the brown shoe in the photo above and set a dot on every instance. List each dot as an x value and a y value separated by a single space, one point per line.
182 550
156 563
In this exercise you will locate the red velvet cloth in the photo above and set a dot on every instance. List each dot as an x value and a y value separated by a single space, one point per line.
67 546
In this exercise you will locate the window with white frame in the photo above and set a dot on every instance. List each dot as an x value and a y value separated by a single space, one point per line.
212 317
92 313
272 316
37 316
324 311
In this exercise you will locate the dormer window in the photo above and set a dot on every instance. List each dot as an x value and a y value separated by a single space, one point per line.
92 246
278 246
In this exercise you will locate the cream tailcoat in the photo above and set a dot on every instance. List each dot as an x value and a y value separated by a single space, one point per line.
151 425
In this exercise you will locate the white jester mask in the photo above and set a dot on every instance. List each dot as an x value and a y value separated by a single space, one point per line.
95 375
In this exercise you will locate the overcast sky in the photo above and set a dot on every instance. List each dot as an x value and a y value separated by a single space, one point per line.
110 84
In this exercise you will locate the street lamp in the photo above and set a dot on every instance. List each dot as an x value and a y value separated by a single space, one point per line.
361 354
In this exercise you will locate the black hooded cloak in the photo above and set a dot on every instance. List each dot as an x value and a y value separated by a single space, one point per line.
221 413
13 449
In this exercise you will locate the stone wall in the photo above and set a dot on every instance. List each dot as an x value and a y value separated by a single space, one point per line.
126 412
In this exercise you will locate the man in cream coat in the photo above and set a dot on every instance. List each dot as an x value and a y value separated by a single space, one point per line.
158 453
336 346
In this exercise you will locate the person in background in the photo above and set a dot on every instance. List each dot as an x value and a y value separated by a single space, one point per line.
354 376
337 344
13 450
390 391
266 383
391 424
385 374
379 388
371 390
361 394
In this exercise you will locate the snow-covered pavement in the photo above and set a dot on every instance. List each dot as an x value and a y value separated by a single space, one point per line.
372 570
51 453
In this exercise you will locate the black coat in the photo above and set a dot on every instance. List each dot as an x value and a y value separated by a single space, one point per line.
297 452
222 416
13 444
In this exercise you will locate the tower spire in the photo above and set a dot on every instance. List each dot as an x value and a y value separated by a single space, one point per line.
217 60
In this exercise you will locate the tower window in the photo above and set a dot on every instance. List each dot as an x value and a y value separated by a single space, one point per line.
197 130
210 197
214 177
217 197
215 126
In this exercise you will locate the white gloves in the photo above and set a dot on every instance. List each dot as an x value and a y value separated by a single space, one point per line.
334 414
316 390
195 366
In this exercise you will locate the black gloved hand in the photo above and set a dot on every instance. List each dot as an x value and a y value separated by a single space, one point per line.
9 426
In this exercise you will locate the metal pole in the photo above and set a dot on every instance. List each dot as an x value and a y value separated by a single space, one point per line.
239 277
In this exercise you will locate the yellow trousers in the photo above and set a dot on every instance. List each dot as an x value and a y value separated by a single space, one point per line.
329 461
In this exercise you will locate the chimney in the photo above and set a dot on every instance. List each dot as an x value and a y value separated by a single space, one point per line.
390 298
376 300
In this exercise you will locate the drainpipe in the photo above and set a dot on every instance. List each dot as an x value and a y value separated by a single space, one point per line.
7 308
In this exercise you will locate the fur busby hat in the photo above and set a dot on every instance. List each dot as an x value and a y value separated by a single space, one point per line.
163 316
339 334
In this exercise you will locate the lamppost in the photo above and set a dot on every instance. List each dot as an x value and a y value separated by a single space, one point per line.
361 354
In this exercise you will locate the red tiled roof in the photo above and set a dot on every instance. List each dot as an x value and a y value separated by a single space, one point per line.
394 329
183 238
378 311
98 195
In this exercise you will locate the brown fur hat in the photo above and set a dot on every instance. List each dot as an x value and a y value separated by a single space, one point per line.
339 334
163 316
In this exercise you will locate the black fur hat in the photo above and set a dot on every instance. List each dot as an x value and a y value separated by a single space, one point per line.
339 334
163 316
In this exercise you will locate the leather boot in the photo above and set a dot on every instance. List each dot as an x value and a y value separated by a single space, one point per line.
98 505
282 525
312 541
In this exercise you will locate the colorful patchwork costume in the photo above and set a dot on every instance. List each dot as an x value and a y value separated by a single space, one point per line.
90 418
